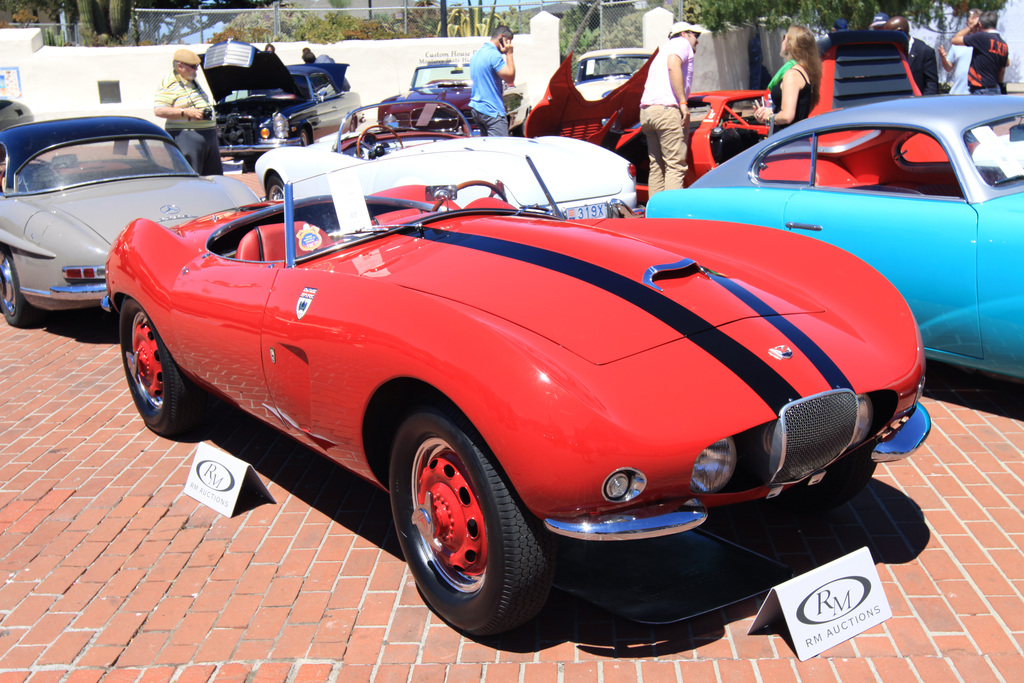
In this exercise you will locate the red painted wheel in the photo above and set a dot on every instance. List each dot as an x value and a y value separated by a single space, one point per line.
448 515
480 559
143 362
167 401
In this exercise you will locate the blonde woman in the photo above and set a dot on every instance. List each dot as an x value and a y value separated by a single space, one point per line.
795 89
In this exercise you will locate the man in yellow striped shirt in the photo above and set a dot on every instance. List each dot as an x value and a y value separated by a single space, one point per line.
184 104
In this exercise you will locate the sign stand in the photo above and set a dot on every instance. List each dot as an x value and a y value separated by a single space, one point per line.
220 481
828 605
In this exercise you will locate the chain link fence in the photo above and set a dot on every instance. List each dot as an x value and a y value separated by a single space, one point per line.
584 25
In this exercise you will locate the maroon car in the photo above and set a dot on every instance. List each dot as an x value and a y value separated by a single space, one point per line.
451 83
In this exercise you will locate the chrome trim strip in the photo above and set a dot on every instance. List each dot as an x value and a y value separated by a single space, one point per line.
649 522
907 440
106 304
259 149
91 292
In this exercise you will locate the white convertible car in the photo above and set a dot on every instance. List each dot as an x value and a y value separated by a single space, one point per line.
586 181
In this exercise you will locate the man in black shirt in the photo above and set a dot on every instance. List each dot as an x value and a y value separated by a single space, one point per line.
991 54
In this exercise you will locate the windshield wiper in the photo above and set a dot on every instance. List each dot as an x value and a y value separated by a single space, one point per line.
1010 179
555 211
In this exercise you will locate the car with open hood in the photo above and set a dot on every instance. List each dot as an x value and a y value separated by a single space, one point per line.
261 104
510 377
858 67
68 186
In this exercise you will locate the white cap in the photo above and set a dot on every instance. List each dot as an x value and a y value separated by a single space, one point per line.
684 27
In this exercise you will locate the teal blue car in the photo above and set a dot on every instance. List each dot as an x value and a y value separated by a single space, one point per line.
928 190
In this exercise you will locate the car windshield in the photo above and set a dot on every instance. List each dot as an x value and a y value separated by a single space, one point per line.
100 161
997 150
440 74
329 211
382 121
352 204
593 68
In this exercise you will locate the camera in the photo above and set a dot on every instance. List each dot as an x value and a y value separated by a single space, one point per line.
207 113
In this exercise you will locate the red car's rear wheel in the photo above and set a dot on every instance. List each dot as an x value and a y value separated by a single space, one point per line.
480 560
167 401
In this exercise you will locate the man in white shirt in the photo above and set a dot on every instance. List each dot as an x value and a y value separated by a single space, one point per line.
664 116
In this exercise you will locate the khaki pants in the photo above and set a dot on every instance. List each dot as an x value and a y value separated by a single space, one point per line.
666 147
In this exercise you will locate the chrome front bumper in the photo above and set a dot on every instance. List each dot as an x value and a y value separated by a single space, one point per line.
902 443
650 522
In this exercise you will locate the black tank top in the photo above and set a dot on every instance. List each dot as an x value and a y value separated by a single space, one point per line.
803 101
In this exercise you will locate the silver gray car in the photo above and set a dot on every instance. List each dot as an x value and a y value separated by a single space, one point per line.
69 187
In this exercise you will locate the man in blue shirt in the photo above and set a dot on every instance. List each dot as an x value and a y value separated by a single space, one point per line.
491 65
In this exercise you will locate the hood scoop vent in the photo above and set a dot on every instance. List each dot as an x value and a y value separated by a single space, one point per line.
679 269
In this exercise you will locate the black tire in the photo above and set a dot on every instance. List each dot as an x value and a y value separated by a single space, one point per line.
843 481
17 312
168 402
305 137
275 187
487 566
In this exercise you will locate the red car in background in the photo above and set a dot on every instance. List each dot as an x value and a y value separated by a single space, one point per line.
858 67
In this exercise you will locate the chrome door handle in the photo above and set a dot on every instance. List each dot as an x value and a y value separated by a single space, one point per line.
803 226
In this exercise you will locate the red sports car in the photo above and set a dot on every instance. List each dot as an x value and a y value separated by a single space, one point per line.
509 376
858 67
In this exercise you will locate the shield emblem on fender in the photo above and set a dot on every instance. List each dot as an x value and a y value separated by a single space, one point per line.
304 302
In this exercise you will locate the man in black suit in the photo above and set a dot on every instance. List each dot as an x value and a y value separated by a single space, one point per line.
924 66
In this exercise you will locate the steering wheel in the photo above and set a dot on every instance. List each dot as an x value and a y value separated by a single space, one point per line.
380 127
496 191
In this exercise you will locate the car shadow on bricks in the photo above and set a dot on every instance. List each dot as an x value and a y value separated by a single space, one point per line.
321 484
92 326
993 394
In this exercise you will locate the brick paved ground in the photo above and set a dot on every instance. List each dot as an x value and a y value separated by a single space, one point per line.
109 572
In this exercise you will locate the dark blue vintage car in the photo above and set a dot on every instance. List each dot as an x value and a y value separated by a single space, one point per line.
261 104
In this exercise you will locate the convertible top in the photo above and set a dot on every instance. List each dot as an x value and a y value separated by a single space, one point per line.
25 140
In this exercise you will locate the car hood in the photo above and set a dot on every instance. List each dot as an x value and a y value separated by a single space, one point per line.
580 287
605 176
565 111
105 208
267 72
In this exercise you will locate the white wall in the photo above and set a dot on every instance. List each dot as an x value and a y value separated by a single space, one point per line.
58 82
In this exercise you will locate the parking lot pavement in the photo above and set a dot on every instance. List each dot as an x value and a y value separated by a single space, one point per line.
108 571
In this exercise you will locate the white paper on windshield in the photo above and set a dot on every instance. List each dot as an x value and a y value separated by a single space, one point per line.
996 150
349 202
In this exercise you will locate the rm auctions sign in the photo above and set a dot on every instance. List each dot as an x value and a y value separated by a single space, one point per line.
217 479
828 605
